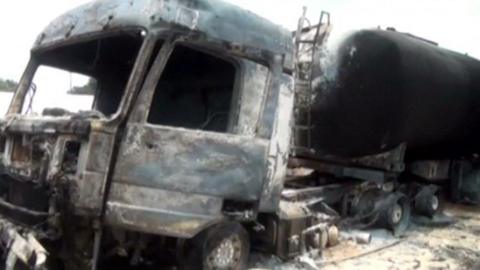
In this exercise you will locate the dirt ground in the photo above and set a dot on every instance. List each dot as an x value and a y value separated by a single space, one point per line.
456 246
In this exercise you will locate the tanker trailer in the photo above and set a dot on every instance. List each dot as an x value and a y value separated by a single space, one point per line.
385 88
392 110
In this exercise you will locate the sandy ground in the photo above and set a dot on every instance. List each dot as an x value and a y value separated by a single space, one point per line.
454 247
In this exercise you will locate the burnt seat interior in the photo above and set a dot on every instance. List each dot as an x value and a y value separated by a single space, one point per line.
195 91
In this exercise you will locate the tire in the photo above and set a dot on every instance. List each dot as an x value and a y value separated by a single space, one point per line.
225 246
397 215
428 205
427 202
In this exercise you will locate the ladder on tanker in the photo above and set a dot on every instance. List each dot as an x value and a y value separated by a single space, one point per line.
309 45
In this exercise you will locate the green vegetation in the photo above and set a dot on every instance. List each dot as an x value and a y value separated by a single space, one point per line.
88 89
7 85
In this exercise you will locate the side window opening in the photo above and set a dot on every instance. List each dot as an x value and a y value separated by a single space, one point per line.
195 92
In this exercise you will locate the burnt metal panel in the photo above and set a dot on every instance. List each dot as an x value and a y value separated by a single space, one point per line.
88 188
87 193
191 161
391 161
32 125
255 82
385 88
99 152
270 107
434 170
214 18
161 212
281 115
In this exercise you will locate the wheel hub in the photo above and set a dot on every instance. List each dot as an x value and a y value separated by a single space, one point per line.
434 203
225 255
397 213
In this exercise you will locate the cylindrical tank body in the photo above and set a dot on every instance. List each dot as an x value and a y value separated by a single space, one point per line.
390 88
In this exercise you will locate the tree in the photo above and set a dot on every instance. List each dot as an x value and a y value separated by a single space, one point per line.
8 85
88 89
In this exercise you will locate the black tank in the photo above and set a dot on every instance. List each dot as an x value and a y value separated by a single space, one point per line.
391 88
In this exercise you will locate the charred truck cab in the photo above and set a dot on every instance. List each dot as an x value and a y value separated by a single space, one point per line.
210 130
187 139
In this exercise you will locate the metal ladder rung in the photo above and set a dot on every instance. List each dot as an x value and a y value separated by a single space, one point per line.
304 79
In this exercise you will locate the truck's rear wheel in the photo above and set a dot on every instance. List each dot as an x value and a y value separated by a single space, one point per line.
397 215
427 202
225 246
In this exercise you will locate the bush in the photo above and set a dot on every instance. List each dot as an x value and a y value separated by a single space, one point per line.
7 85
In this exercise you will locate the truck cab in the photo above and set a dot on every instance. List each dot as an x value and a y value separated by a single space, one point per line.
185 134
187 131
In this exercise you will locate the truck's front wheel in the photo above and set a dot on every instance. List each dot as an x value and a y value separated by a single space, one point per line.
225 246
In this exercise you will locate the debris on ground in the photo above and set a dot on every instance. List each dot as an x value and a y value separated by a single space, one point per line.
423 247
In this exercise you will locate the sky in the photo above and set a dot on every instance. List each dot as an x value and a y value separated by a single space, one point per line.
453 24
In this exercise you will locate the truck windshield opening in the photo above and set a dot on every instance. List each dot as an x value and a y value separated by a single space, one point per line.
88 76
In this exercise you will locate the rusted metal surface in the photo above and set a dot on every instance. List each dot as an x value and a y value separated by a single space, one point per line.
37 126
128 184
280 142
434 170
88 187
222 165
215 19
252 97
161 180
179 214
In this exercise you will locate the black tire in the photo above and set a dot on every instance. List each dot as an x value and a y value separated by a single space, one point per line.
428 205
200 251
427 202
394 213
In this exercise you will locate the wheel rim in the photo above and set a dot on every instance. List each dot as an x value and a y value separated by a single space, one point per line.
396 213
434 203
226 255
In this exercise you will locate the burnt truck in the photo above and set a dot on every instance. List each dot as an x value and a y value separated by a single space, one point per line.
212 131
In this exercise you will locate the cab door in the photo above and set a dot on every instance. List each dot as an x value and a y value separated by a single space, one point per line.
190 143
